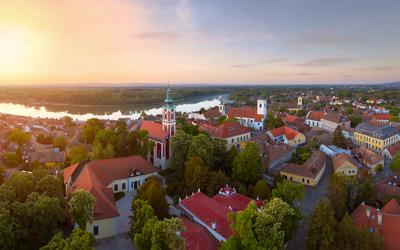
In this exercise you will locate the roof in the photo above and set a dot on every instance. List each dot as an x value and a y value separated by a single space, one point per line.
225 130
394 149
310 168
215 210
288 132
370 156
315 115
212 113
47 156
388 187
95 176
246 113
340 159
290 118
390 225
377 130
335 117
278 151
197 237
382 117
155 130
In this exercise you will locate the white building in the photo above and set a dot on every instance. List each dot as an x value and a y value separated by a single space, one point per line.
250 117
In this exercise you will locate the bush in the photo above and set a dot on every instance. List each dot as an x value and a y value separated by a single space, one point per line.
119 195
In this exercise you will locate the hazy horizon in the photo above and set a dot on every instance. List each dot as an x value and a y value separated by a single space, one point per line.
193 42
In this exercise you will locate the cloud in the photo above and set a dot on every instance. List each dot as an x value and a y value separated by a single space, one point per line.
278 60
326 37
378 68
324 62
159 36
246 65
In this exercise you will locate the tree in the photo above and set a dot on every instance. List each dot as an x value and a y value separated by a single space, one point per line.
78 154
273 122
338 138
8 239
395 164
81 206
219 154
159 235
216 180
18 135
92 126
349 110
247 166
139 143
261 190
68 121
2 172
352 237
152 192
60 142
365 191
288 191
196 174
22 185
79 239
227 166
10 160
180 144
355 120
379 168
337 194
141 213
202 146
50 186
322 227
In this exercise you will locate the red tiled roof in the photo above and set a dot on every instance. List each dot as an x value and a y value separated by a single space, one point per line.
315 115
155 130
290 118
334 117
197 237
340 159
390 226
310 168
394 149
212 113
95 176
370 156
229 198
225 130
284 130
246 113
385 117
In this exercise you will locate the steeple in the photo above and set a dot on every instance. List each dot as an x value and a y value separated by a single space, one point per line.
168 113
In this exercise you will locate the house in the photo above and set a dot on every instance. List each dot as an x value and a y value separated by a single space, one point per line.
251 117
160 134
278 154
103 178
381 118
385 222
344 164
391 151
212 215
287 135
330 121
348 132
370 158
231 132
332 150
313 118
309 173
389 187
376 136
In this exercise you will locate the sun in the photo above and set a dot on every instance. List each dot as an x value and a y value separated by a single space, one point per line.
15 52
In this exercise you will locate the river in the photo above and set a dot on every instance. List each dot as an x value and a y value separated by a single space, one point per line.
77 114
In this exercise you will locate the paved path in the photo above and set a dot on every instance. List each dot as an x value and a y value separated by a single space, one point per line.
119 242
306 207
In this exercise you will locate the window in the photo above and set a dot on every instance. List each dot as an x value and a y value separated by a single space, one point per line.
131 184
159 150
95 230
115 187
308 181
302 180
123 186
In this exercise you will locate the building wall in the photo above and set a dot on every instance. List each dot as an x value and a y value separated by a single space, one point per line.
299 139
106 228
129 183
312 123
302 179
251 123
375 144
236 140
162 162
347 169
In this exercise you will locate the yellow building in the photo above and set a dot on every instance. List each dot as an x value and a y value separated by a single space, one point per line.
344 164
375 136
287 135
309 173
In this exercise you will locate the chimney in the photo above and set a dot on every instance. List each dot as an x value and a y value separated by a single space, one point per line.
180 199
368 212
198 190
363 203
379 217
230 208
214 225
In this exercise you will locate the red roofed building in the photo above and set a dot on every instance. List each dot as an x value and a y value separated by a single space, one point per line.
385 222
287 135
313 118
251 117
103 178
391 151
212 213
161 133
232 132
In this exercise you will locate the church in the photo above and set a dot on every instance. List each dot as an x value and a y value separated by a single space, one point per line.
161 133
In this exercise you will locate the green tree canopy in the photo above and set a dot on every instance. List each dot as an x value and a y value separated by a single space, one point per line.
338 138
81 206
92 126
289 191
60 142
202 146
196 174
141 213
180 144
79 239
152 192
18 135
77 154
261 190
247 166
395 164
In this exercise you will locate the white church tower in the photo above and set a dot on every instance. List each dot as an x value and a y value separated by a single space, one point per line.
262 107
221 105
168 113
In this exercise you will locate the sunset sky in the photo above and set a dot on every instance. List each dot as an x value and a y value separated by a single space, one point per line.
204 41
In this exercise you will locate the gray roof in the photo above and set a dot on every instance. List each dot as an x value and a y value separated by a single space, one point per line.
380 131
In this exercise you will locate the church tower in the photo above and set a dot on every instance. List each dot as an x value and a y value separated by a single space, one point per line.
299 101
168 114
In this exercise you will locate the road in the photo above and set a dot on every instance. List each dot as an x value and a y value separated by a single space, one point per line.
306 207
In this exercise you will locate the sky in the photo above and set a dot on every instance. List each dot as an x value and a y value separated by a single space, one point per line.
202 41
